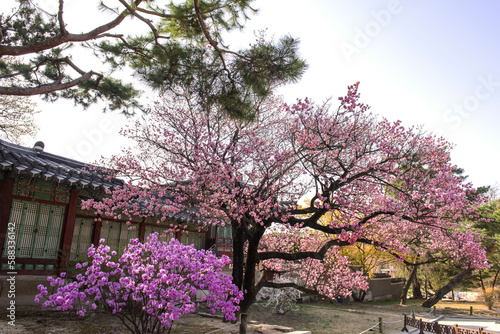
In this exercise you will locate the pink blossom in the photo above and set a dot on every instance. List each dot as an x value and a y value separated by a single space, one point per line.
367 180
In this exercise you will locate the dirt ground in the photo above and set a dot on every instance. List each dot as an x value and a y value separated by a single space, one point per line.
319 318
54 322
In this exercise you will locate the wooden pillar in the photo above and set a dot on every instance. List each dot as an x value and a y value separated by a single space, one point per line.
68 230
96 232
208 240
6 188
142 230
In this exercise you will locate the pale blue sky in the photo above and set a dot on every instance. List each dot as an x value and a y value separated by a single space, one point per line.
434 63
429 63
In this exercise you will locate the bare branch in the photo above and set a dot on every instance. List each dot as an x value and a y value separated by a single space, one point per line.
27 91
151 12
204 27
6 50
288 285
319 255
140 17
150 25
212 41
73 66
62 26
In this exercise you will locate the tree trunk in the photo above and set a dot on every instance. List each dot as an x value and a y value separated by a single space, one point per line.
426 285
447 288
359 296
238 254
416 289
495 280
431 287
249 289
483 288
243 323
407 285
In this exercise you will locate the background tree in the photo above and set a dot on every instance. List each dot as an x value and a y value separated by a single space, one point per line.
182 42
386 184
17 118
368 258
458 275
417 262
490 228
17 115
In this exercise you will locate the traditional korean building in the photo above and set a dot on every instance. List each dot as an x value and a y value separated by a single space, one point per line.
42 226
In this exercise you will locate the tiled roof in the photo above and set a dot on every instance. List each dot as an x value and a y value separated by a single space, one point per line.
38 163
49 166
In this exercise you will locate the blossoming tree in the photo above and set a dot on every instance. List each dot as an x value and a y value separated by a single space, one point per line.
384 185
150 286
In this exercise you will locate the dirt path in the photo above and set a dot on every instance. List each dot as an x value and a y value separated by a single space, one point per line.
320 318
34 320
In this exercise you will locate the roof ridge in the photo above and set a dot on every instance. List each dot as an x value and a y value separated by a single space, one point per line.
54 166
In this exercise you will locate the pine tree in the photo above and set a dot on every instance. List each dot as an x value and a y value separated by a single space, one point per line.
183 46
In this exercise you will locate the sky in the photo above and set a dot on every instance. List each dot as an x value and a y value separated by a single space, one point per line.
427 63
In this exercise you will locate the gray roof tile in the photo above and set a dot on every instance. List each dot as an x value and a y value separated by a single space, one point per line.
50 166
64 170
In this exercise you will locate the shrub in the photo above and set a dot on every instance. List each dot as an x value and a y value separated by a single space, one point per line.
150 286
284 299
489 298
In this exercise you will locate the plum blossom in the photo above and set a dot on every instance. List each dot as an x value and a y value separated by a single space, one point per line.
378 183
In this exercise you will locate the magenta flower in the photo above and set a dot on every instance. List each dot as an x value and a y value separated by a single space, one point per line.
157 278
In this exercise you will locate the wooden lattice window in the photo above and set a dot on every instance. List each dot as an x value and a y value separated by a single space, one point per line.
162 235
117 235
38 229
82 238
193 238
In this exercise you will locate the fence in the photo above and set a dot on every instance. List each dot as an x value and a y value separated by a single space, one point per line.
435 327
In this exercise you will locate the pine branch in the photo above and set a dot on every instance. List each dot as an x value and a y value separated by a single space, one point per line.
63 37
44 89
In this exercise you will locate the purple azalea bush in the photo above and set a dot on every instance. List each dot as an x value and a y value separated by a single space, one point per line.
150 286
